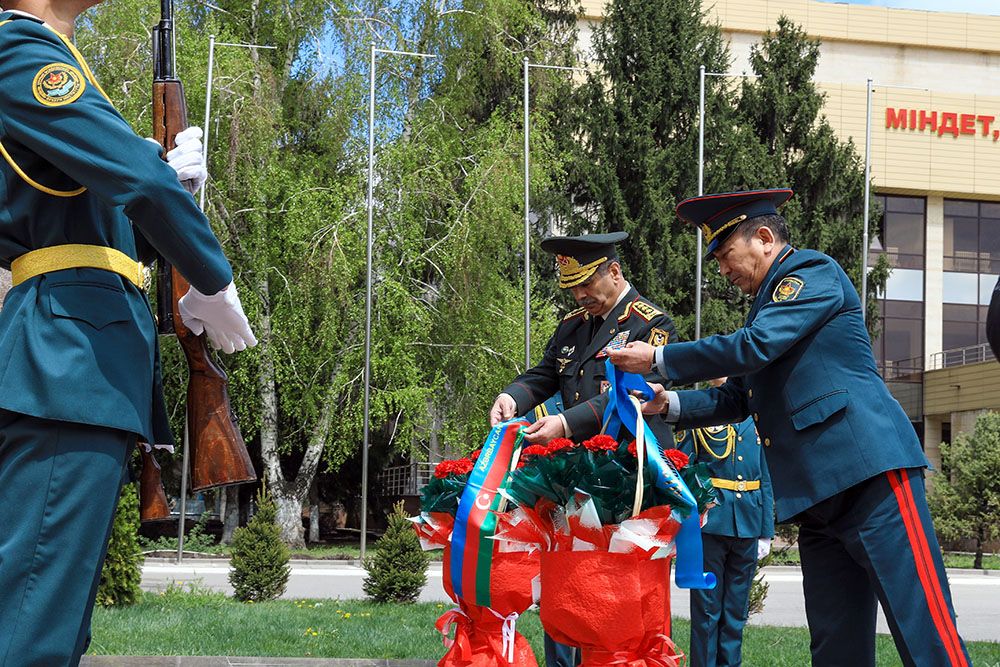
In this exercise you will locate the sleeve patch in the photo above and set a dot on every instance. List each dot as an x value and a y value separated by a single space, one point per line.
58 84
658 337
645 311
788 289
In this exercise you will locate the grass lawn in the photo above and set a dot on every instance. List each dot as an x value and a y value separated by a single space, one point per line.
194 623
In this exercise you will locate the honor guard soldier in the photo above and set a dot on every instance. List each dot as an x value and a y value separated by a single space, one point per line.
737 533
611 313
846 464
79 362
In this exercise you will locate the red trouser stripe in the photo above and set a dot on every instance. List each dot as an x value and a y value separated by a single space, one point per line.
925 568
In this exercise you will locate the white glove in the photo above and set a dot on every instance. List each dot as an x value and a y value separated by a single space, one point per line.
187 159
220 316
763 547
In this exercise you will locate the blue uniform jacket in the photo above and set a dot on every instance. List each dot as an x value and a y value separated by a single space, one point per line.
79 345
741 513
802 367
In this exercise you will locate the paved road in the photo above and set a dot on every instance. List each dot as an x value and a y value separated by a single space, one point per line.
976 595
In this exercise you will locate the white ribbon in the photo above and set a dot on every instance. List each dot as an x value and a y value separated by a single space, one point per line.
509 634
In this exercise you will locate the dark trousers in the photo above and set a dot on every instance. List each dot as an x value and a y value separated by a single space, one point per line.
719 614
59 486
560 655
875 541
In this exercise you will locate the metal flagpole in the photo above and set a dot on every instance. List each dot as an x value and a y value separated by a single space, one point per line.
201 204
868 187
368 283
527 204
701 191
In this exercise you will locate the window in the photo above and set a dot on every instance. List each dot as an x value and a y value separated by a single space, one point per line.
971 264
899 348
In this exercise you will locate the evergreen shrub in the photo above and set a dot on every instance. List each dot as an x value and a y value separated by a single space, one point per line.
122 571
397 571
259 557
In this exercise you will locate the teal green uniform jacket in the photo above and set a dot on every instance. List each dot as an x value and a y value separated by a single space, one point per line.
741 513
802 367
79 345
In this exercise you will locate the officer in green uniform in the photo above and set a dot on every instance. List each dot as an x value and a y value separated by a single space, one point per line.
79 366
611 312
736 534
846 464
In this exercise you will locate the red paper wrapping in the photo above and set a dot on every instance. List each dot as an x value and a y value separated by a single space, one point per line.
614 606
481 638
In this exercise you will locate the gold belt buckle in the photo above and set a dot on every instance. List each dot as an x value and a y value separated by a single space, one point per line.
741 485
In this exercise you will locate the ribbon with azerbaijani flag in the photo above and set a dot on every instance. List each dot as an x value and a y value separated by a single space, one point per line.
472 549
621 412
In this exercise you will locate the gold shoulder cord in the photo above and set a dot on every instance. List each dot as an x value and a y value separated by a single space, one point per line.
729 438
93 81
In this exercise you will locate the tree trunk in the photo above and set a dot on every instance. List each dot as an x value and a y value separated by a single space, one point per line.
313 512
230 512
977 562
289 517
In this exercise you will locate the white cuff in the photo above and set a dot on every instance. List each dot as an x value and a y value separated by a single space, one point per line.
567 432
658 362
673 414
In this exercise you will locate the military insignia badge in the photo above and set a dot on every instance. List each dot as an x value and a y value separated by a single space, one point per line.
563 363
645 311
658 337
617 343
58 84
679 436
787 289
568 349
605 385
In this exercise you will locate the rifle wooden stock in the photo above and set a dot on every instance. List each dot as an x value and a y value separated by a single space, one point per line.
219 455
152 500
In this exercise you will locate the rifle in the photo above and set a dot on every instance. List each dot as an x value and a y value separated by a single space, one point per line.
219 455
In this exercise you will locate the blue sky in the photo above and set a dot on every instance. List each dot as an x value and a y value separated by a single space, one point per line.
966 6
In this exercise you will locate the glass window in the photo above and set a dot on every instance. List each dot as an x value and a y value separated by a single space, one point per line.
905 285
900 232
959 207
959 334
900 344
989 244
961 288
987 283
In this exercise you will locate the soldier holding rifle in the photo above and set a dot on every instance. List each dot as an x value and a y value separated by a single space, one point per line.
79 366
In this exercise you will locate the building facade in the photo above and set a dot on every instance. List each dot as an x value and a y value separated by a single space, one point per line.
935 165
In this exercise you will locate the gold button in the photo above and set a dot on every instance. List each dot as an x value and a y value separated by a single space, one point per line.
739 495
755 417
576 396
739 458
750 393
740 438
611 331
581 372
739 477
767 442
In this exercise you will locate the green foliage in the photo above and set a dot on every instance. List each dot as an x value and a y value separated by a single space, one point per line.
397 571
260 558
122 571
196 540
964 497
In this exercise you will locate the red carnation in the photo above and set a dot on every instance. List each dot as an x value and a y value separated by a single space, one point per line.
474 454
632 448
464 466
453 467
560 444
601 443
535 450
444 469
677 457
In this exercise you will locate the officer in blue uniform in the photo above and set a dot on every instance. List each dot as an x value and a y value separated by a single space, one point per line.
611 312
736 534
845 462
79 366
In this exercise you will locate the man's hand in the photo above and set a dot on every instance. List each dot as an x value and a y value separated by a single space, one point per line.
545 429
504 408
220 316
763 547
658 403
636 357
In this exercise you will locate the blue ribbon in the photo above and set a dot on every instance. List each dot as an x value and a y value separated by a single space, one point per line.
621 412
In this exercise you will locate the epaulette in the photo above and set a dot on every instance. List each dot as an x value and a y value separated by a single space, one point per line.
574 313
627 312
645 310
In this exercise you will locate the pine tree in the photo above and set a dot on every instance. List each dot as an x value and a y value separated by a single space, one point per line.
965 499
260 558
397 571
122 571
